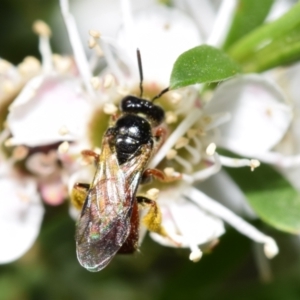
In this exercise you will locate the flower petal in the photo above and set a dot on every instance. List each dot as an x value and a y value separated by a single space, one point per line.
187 223
259 114
21 214
55 111
162 34
223 188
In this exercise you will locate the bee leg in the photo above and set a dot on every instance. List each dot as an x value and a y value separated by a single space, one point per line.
78 194
152 220
160 134
161 176
87 154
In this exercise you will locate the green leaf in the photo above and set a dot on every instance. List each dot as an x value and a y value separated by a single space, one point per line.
272 198
248 15
244 49
202 64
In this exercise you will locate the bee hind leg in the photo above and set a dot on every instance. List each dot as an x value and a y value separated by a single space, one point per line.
78 194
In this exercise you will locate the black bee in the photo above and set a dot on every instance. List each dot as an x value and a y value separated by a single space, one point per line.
109 220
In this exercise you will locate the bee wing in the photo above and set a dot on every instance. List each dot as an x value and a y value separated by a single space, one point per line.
104 223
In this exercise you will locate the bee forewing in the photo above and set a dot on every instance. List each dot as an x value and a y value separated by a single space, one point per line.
104 223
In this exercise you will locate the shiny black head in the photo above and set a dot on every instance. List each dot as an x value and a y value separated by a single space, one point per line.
135 105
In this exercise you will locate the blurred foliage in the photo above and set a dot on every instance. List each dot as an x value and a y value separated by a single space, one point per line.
50 270
16 19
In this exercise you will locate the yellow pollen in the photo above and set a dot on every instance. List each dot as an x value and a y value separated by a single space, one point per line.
254 163
181 142
63 147
92 42
41 28
20 152
110 108
95 81
171 154
153 193
108 81
94 33
171 117
210 150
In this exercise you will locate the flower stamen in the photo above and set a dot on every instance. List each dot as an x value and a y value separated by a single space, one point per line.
217 209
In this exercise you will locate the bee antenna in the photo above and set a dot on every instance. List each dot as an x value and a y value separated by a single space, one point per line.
160 94
139 59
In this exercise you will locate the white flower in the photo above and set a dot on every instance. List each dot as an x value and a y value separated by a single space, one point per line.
44 121
191 218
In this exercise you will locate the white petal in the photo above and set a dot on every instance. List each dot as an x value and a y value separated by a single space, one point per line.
102 15
223 188
203 12
181 217
217 209
259 114
21 214
56 112
162 34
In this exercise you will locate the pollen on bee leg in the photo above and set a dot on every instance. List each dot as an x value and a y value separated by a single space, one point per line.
78 195
63 147
110 108
20 152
